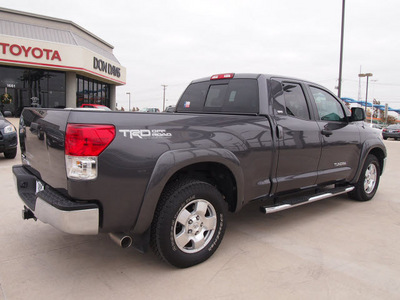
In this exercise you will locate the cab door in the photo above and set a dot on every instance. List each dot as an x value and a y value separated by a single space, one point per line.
298 137
340 138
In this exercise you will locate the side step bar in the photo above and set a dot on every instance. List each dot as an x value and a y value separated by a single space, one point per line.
306 199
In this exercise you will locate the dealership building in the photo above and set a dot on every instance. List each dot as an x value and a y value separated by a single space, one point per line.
49 62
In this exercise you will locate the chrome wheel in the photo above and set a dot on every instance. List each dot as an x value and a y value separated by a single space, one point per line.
189 222
371 175
195 226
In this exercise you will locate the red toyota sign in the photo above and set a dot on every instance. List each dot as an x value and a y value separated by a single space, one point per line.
36 52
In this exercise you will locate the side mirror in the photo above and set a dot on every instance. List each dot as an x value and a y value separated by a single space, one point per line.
357 114
7 113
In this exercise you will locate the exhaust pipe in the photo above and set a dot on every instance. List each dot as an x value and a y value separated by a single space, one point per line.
123 240
28 214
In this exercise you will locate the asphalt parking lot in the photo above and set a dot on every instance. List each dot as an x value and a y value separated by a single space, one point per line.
332 249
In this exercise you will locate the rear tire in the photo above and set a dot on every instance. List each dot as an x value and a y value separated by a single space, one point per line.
368 182
189 223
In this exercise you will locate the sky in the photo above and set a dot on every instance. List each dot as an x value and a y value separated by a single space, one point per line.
173 42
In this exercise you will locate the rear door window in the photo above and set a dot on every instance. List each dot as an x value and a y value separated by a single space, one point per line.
289 100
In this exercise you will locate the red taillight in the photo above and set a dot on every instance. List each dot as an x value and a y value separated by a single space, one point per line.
222 76
87 139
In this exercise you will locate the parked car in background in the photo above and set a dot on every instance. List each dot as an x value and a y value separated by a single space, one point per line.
377 126
8 137
150 109
170 109
96 106
392 131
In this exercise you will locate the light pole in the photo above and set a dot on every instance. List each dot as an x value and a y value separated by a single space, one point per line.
368 75
129 93
164 86
341 52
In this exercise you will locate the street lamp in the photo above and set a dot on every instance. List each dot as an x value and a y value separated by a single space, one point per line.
368 75
129 93
164 87
341 52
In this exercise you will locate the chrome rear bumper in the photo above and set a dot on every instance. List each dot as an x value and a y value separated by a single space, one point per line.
52 208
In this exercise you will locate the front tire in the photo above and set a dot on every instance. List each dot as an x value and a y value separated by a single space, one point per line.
189 223
368 182
10 154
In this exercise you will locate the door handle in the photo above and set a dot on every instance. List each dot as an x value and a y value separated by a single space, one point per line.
326 132
279 132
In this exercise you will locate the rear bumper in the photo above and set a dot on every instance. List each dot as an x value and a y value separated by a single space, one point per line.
52 208
391 135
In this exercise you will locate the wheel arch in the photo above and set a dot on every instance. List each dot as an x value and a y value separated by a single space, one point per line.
381 156
219 167
378 150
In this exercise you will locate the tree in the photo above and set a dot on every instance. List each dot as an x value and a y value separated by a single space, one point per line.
391 120
376 109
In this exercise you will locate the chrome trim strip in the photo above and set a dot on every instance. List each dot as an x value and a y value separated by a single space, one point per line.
273 209
320 197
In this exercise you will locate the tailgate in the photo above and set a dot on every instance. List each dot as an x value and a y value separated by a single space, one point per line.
42 134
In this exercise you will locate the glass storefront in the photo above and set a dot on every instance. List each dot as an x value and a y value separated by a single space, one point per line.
21 87
91 91
24 87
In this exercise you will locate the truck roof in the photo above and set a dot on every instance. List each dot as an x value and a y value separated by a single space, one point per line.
254 76
249 76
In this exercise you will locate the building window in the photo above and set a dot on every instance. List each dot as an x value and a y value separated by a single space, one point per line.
31 87
90 91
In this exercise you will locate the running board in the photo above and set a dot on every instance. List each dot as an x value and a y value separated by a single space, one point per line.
306 200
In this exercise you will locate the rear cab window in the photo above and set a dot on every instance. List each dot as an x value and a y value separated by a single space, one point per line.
237 96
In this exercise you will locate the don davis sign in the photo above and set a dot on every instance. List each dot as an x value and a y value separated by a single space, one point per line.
101 65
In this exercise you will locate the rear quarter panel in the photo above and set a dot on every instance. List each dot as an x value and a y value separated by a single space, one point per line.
126 166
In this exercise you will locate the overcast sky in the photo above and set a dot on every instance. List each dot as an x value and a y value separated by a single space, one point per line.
174 42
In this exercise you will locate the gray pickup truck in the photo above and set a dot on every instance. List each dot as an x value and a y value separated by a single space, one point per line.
168 180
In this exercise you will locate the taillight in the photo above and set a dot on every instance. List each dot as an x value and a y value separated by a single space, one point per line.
83 144
88 140
222 76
